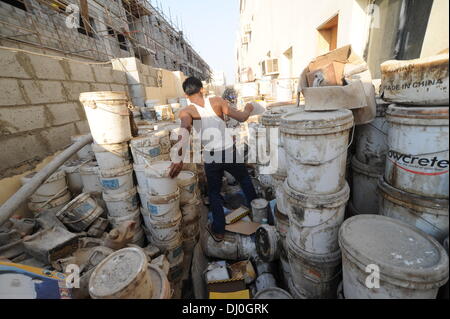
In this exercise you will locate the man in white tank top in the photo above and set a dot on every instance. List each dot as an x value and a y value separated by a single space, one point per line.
218 147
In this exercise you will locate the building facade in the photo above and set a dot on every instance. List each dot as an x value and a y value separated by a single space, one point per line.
278 38
99 30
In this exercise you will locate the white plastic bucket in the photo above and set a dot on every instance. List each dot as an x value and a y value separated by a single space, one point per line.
233 247
132 216
282 225
268 243
417 160
316 146
315 219
371 139
90 176
111 156
412 264
314 276
160 283
145 149
428 214
190 226
86 152
158 179
173 249
73 175
121 204
187 183
364 187
118 180
139 171
260 210
51 205
80 213
56 184
265 281
161 208
108 116
122 275
273 293
164 230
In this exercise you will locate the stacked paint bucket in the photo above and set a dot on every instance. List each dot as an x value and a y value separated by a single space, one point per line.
162 215
316 194
368 162
108 117
190 221
51 196
415 187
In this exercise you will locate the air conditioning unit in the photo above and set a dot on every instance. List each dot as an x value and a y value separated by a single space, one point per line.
248 28
270 66
245 39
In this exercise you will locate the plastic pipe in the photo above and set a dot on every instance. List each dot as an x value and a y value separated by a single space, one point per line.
14 202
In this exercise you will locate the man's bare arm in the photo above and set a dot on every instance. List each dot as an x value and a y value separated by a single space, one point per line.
183 139
240 116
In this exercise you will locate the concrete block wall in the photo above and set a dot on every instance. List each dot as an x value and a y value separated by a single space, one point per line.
39 106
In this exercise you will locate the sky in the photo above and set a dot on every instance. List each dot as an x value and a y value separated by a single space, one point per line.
211 27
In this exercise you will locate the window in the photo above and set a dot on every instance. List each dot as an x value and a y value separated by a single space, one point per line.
122 42
16 3
328 33
84 29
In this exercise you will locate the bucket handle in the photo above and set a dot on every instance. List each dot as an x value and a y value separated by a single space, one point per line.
93 105
318 163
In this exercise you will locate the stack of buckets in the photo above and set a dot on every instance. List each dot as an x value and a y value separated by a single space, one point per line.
190 210
369 162
108 117
162 216
51 196
316 194
415 187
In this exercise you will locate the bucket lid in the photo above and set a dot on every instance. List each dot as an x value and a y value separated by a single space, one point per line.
103 96
267 242
316 123
401 251
314 201
273 293
145 141
59 174
402 115
413 201
272 117
259 203
158 169
160 283
369 170
117 271
59 201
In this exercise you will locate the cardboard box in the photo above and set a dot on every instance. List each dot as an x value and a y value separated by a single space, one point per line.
357 95
331 74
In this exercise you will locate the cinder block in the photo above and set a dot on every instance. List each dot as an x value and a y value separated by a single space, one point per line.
47 68
73 89
103 74
118 87
119 77
58 137
82 127
81 72
10 93
22 118
41 92
125 64
63 113
97 87
11 67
